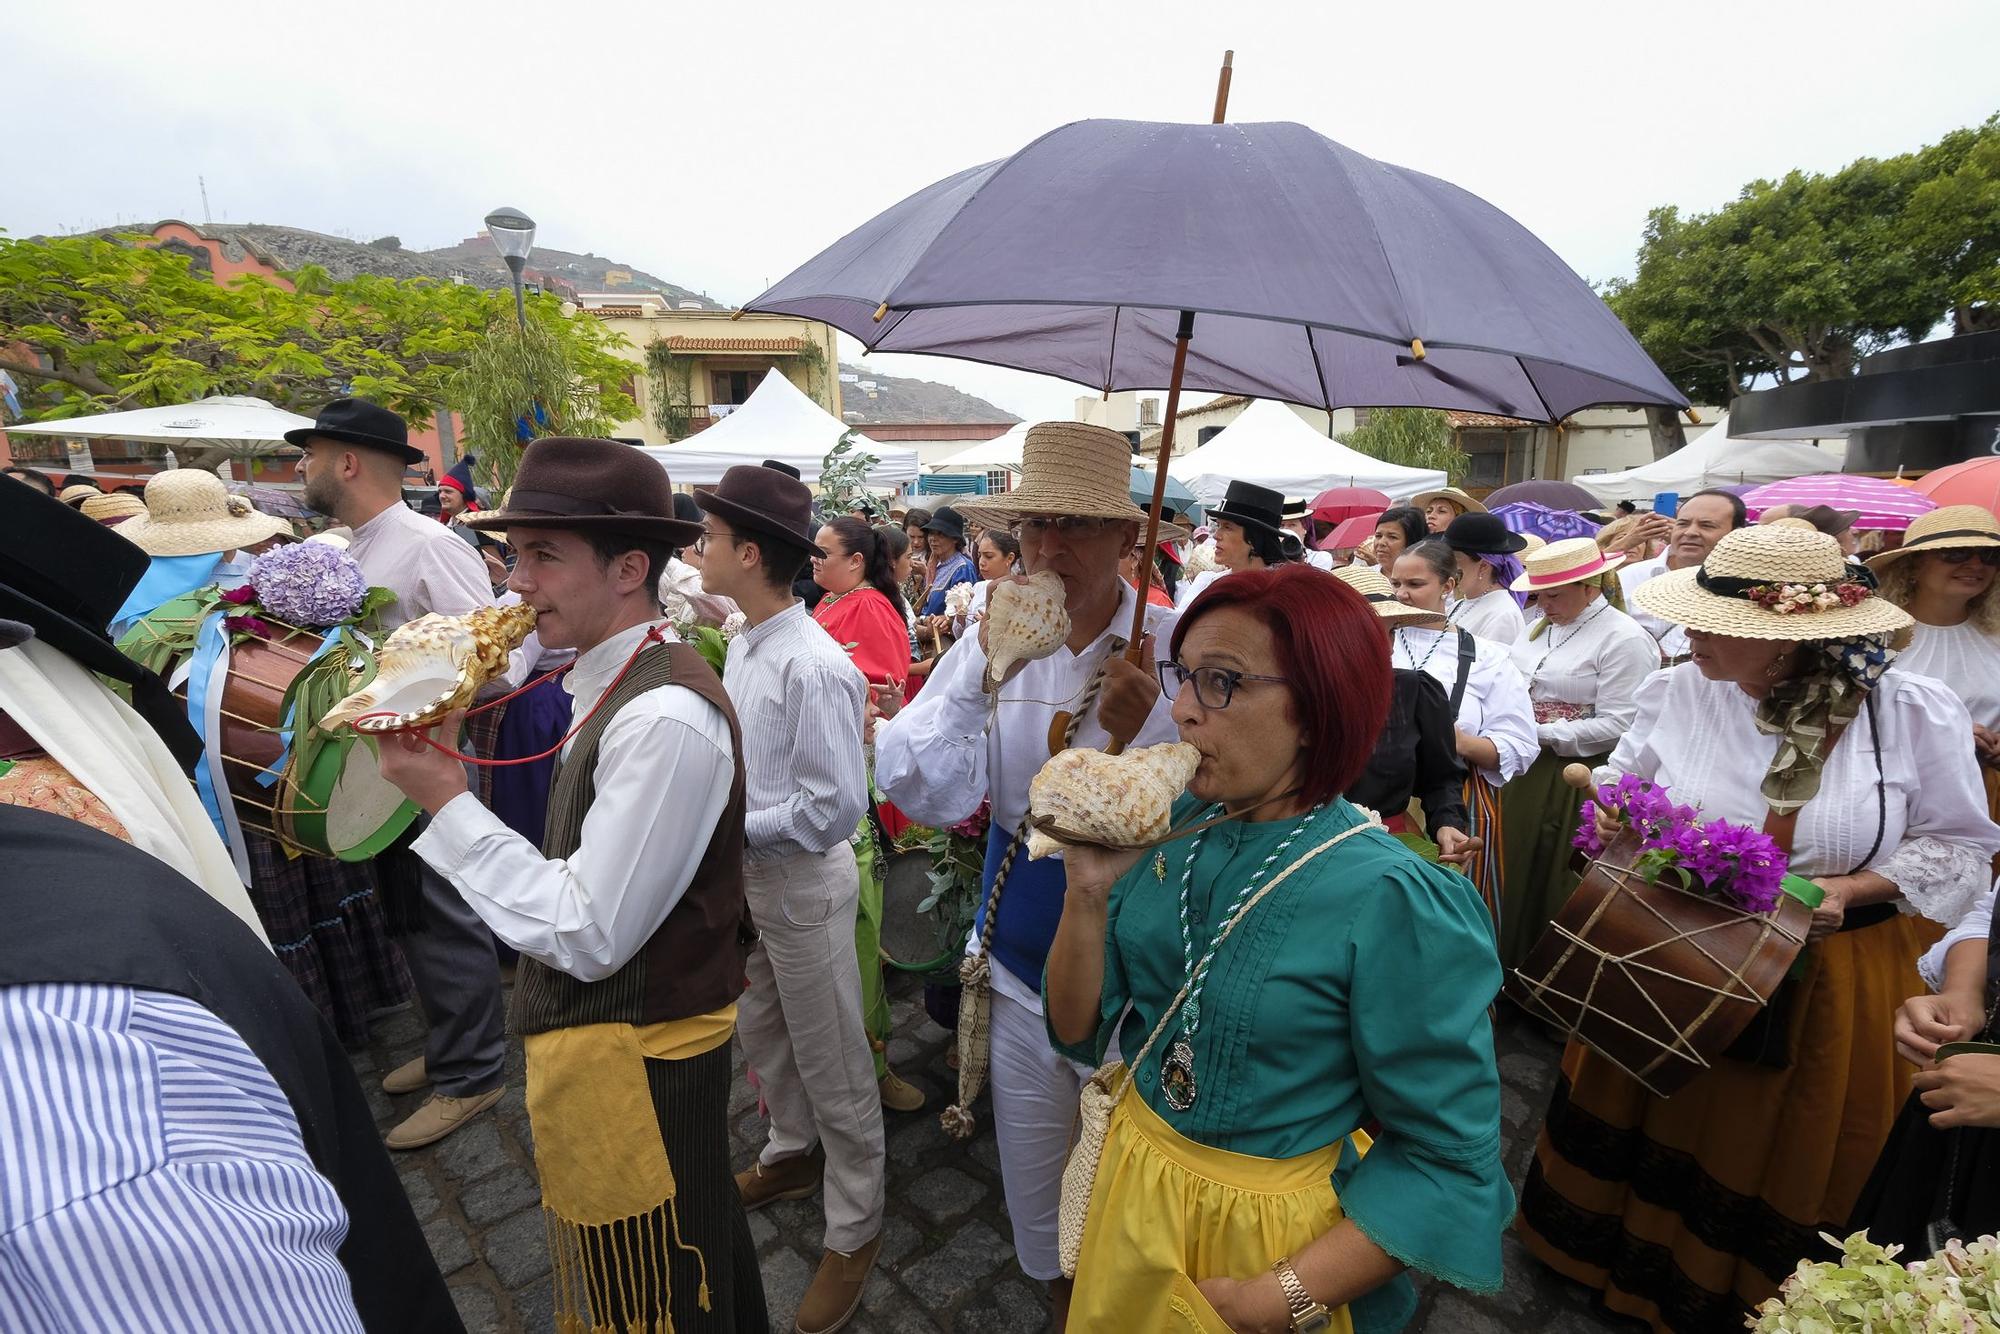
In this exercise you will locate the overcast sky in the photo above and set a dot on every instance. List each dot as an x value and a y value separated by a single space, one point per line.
721 145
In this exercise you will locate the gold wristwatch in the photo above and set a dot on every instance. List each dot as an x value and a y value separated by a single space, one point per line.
1308 1316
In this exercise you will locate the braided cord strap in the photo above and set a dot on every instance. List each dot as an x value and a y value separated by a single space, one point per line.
975 971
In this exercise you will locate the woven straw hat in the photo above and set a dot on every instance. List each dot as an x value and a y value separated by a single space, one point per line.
1569 561
1532 542
1466 504
77 492
1942 530
1788 561
1372 584
190 513
112 507
1069 468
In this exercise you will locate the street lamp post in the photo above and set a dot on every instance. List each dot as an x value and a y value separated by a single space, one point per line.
513 234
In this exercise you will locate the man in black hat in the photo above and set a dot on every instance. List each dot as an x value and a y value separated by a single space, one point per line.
629 916
801 700
354 457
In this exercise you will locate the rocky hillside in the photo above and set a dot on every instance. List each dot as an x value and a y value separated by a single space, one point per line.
895 399
585 272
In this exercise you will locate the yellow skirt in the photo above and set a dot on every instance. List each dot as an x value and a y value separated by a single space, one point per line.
1166 1211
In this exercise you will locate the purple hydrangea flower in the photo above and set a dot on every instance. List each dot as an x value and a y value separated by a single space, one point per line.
308 584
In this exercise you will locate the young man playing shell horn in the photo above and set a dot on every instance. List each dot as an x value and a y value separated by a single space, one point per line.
801 699
630 915
956 746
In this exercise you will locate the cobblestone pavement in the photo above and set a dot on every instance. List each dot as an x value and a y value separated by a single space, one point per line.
947 1260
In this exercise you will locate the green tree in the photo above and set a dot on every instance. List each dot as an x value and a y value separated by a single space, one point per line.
559 376
1411 437
1955 216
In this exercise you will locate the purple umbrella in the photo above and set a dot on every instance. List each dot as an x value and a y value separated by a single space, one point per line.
1555 495
1551 525
1248 259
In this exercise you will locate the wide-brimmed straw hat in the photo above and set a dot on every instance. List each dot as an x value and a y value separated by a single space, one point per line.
1953 526
1569 561
112 507
1069 468
189 512
1466 504
1373 585
1783 580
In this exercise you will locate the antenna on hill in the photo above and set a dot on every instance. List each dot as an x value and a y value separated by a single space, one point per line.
206 217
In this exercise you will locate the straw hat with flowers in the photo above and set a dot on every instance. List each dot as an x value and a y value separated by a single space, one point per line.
1569 561
1783 580
190 513
1373 585
1068 468
1954 527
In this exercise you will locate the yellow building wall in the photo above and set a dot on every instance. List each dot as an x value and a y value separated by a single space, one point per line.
641 331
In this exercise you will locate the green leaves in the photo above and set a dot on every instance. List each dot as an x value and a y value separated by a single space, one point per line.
1412 437
843 481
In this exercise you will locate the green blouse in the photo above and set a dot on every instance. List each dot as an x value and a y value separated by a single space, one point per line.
1355 993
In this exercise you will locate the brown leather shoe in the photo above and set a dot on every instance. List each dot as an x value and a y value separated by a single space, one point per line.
791 1178
407 1077
835 1293
438 1117
898 1095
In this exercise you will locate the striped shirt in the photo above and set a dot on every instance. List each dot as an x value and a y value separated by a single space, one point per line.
799 701
152 1176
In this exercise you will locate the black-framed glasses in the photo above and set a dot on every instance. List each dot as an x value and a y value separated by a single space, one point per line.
1069 525
1987 556
1214 687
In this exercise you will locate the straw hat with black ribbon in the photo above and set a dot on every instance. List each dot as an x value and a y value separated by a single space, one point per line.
1570 561
190 513
1782 581
1068 469
1373 585
1951 528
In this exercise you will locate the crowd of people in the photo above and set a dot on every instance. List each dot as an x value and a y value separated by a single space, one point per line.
1291 1000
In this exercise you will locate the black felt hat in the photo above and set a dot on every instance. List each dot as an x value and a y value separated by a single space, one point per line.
356 421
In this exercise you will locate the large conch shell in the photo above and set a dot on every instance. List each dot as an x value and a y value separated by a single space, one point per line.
432 665
1025 620
1113 801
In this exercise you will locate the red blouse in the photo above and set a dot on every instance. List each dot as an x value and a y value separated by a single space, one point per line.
868 626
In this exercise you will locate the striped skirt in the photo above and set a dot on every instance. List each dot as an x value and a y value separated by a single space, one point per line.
1482 809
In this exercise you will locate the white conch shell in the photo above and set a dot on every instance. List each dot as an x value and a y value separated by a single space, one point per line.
432 665
1117 801
1025 620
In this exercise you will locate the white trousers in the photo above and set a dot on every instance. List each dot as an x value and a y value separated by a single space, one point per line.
1035 1089
802 1032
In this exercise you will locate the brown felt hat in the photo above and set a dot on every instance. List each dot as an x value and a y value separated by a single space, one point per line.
591 486
765 502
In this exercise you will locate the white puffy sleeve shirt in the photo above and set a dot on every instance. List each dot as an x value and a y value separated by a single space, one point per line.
1494 615
1965 658
1596 662
1496 704
1919 805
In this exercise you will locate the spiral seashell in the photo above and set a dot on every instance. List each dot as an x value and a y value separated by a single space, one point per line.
1025 620
1116 801
430 666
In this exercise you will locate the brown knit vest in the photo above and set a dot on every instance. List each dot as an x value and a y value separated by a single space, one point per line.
694 963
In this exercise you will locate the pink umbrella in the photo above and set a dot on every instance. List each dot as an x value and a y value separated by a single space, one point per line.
1345 502
1351 532
1882 504
1975 482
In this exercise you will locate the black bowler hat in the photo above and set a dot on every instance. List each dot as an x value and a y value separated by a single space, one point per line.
1252 506
947 522
779 465
1480 534
591 486
767 503
356 421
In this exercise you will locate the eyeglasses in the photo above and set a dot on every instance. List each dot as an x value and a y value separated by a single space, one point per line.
1988 556
701 543
1214 687
1071 526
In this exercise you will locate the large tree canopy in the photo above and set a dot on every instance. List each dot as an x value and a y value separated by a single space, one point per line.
90 324
1802 277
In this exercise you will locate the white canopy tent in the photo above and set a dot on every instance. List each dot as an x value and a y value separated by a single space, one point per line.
1269 445
1002 451
1713 458
778 422
224 422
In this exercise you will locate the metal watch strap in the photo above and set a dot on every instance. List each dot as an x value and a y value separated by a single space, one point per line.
1308 1316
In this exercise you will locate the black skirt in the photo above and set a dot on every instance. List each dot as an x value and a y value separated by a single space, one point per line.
1931 1184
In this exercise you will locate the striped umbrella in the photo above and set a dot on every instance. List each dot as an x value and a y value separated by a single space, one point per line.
1551 525
1882 504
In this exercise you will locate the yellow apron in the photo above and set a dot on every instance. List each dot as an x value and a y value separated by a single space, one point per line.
1166 1211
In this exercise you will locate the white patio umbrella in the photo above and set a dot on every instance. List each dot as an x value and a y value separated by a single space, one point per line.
248 425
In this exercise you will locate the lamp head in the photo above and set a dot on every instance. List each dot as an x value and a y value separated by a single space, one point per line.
513 234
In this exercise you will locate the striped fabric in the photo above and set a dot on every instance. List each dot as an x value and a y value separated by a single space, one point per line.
152 1176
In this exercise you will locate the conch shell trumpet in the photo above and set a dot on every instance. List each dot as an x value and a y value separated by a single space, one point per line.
1025 620
1113 801
432 665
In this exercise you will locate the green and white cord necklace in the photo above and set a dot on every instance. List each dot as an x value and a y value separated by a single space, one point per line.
1177 1080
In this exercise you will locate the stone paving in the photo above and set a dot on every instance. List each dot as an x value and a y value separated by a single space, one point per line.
947 1260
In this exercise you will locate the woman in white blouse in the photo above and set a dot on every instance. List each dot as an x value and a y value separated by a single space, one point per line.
1496 720
1488 558
1943 575
1583 662
1739 1172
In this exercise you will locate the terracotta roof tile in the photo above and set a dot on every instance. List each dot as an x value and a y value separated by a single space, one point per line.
1484 421
693 343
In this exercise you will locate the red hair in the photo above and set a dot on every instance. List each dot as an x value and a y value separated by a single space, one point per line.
1331 648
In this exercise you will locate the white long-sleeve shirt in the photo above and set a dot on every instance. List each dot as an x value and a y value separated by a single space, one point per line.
1974 924
1672 639
1496 704
664 769
1492 615
1597 661
1965 658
